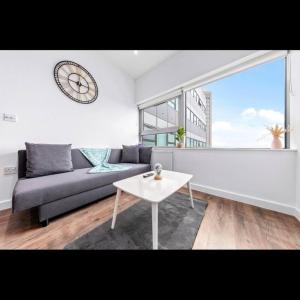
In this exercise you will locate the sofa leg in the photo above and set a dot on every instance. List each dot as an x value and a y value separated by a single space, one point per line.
45 223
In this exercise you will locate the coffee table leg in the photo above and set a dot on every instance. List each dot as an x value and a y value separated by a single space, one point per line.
191 195
116 208
155 225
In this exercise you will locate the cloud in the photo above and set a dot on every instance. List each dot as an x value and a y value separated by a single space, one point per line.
271 115
222 126
249 112
265 114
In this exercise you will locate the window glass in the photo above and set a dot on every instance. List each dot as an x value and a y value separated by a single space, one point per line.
149 140
245 103
232 112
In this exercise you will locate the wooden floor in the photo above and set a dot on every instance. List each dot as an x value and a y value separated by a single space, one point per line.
226 225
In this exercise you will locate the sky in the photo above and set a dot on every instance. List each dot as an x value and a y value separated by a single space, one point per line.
245 103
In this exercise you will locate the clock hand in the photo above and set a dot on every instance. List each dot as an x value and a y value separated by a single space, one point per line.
84 85
73 81
78 82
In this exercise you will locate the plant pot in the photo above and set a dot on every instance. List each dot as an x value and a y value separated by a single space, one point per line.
276 143
180 144
157 177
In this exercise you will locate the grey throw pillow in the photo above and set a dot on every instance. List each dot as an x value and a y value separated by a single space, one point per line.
145 154
46 159
130 154
115 156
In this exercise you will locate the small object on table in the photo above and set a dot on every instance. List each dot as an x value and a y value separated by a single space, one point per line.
157 170
148 175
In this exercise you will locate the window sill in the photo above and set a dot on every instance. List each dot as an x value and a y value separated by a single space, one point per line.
224 149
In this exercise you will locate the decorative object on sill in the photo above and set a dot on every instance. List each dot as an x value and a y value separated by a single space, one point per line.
180 133
277 132
75 82
157 170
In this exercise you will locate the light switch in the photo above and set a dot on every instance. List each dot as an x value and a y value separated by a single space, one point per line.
9 117
9 170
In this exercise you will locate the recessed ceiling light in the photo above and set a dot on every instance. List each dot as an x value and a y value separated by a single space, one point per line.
135 52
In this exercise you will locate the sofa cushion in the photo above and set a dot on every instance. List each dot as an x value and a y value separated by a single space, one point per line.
115 156
32 192
79 160
130 154
45 159
145 154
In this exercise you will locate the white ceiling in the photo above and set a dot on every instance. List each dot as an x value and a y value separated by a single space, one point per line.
136 65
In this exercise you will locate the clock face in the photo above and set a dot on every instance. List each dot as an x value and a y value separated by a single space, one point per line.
76 82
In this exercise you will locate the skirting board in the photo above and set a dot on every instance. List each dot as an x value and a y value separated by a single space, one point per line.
267 204
5 204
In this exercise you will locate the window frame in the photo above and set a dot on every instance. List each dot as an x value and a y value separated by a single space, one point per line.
223 72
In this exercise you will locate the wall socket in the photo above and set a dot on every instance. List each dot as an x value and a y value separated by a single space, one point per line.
9 117
9 170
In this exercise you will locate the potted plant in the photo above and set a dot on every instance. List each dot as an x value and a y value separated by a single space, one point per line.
276 132
180 133
157 170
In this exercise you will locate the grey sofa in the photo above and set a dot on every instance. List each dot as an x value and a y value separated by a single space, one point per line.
56 194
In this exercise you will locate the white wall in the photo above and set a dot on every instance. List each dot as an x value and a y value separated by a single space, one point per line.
295 118
46 115
183 67
265 178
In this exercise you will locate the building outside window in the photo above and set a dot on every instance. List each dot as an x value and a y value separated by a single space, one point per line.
197 121
160 121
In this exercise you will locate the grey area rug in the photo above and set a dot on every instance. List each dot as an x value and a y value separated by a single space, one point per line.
178 225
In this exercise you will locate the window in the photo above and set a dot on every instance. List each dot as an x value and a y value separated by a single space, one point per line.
171 139
245 103
229 112
173 104
160 123
149 140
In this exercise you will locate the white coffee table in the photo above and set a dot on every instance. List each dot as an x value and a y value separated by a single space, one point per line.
154 191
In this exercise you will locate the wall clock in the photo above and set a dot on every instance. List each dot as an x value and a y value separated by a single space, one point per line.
75 82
